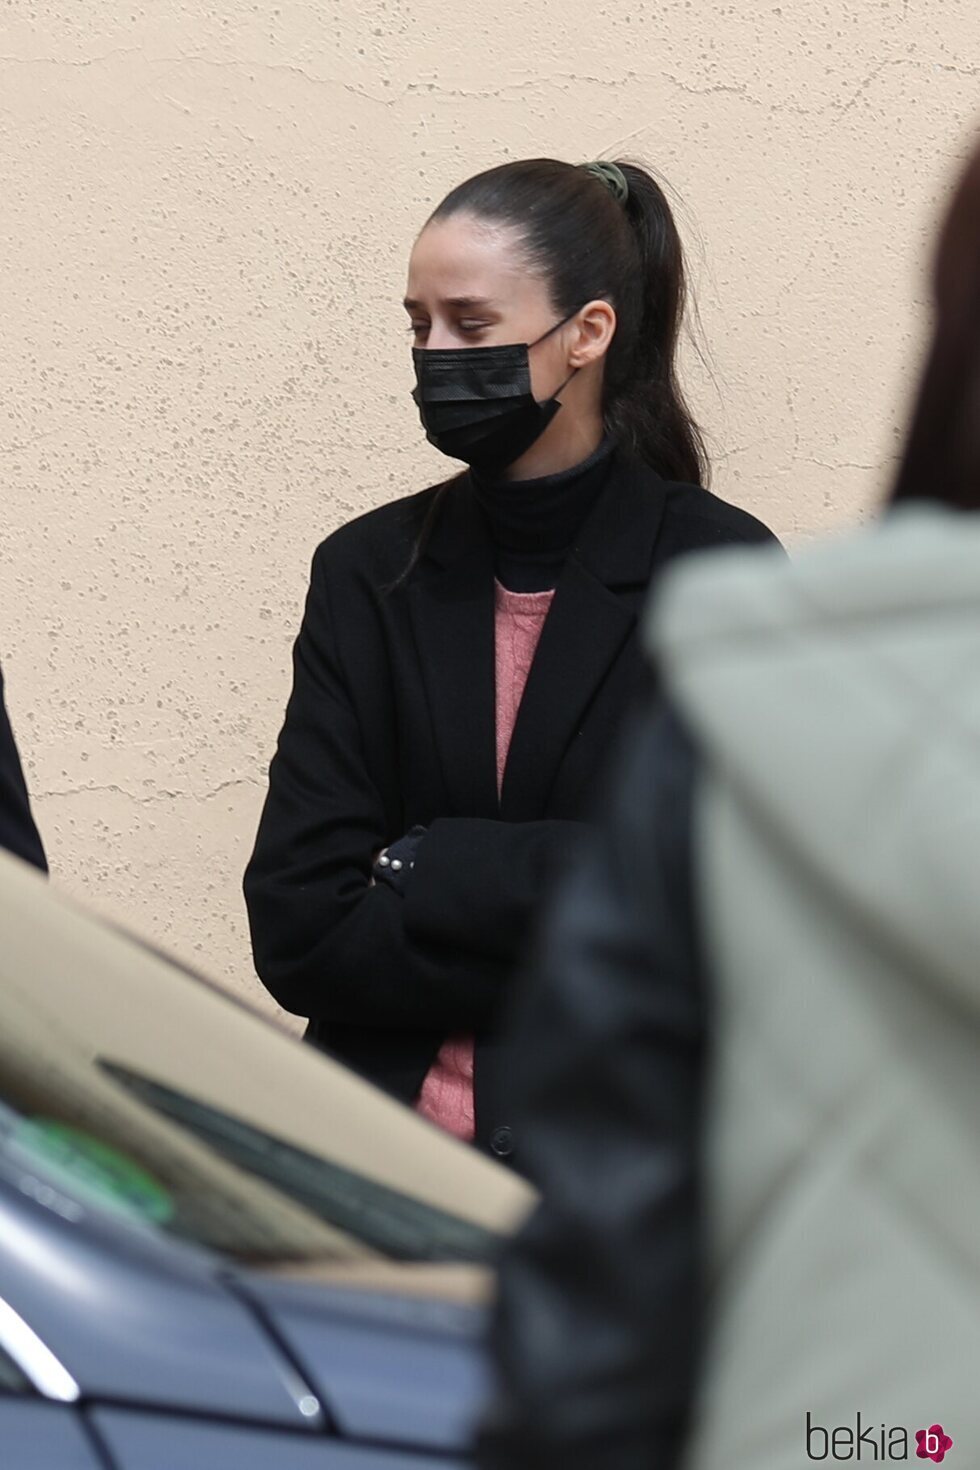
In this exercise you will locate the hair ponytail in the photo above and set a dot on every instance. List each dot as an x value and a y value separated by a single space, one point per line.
644 400
589 244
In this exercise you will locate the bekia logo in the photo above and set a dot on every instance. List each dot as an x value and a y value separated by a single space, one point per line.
932 1443
867 1442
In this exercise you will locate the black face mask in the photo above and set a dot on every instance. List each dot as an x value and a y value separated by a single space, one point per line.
476 403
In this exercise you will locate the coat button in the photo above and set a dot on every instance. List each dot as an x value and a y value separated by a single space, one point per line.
502 1141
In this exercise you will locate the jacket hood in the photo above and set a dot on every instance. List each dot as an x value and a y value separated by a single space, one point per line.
838 697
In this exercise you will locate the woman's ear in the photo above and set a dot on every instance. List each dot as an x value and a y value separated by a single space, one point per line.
593 328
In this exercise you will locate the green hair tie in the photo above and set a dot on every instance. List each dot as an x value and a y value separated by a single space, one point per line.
612 176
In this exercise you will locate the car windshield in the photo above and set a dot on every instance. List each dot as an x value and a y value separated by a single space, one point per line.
128 1084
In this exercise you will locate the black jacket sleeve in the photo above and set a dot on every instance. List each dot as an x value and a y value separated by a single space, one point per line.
330 945
478 884
595 1329
18 833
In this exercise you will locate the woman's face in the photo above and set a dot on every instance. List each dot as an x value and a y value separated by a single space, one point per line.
469 286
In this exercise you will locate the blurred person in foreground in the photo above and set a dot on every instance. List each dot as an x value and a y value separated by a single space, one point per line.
18 833
748 1075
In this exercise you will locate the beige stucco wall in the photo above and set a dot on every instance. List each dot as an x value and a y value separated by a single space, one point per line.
206 212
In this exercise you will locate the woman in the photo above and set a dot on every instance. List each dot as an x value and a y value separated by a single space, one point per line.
791 854
420 798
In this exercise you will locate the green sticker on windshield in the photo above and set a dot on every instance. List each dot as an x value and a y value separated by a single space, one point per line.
85 1163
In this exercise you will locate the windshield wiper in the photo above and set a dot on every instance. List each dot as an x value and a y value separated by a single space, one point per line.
400 1227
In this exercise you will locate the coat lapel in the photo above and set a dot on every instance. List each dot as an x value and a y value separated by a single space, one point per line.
592 616
594 612
451 608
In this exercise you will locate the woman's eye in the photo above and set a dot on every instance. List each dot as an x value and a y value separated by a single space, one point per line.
472 326
417 328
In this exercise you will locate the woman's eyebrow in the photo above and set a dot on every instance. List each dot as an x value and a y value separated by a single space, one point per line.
464 303
469 303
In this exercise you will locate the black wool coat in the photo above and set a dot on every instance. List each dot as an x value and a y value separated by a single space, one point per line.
18 833
391 722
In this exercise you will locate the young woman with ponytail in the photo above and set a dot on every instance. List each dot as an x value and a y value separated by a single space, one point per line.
468 653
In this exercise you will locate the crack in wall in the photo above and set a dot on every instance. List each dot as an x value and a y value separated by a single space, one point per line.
513 88
112 788
66 61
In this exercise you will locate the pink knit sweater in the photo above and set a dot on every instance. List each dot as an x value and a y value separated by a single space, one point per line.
446 1097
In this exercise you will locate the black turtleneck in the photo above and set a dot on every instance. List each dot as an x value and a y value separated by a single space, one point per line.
533 522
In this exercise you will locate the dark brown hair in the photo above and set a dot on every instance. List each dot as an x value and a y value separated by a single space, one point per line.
942 454
588 246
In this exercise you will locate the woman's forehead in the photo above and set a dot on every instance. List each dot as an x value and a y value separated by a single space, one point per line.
461 259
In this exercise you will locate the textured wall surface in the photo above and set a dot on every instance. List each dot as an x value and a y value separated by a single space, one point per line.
207 211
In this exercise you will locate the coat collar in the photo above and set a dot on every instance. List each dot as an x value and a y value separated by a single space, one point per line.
614 541
452 610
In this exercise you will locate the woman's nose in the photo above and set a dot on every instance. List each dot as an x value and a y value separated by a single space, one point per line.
444 334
